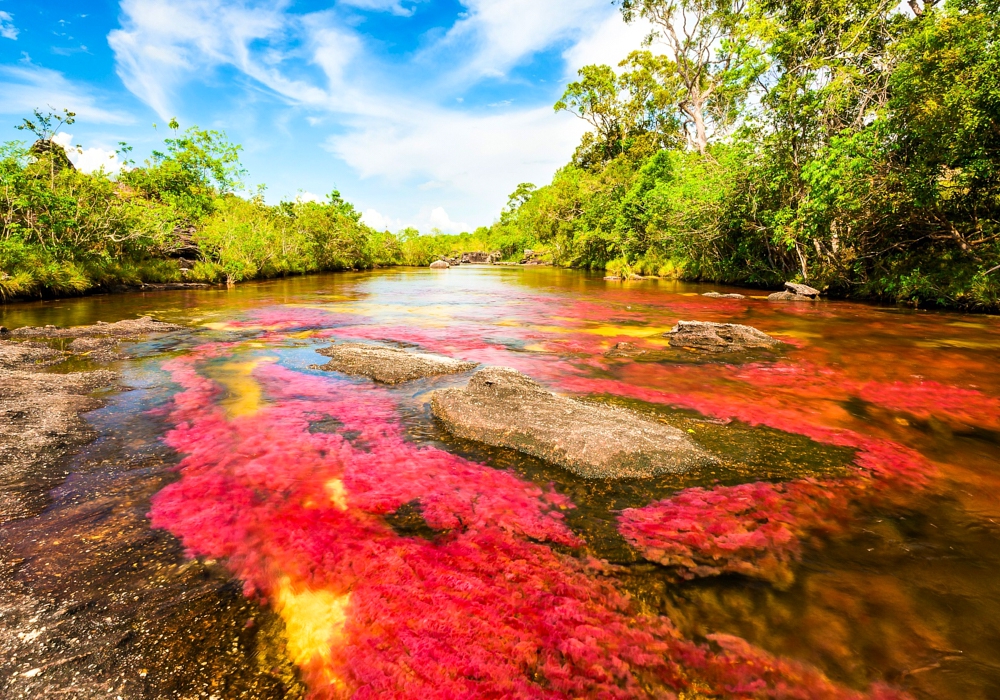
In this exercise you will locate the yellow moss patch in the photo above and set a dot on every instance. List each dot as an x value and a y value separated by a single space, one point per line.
243 394
338 496
314 621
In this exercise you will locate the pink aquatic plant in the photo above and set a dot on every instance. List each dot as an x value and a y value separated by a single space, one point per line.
294 493
752 529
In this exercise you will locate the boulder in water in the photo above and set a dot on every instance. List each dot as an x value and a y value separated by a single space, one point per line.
502 407
625 349
788 296
130 328
439 265
803 290
717 295
388 365
718 337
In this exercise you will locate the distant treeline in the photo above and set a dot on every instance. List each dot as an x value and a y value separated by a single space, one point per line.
174 218
851 145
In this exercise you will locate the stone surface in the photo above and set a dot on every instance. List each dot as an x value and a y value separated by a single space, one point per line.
129 328
439 265
801 289
502 407
39 423
717 295
718 337
788 296
388 365
625 349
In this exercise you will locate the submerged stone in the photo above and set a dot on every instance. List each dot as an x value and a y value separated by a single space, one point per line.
717 295
788 296
388 365
39 423
718 337
625 349
129 328
502 407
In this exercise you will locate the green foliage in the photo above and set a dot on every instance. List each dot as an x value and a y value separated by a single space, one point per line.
66 232
871 166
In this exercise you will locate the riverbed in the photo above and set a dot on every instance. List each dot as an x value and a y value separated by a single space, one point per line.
247 525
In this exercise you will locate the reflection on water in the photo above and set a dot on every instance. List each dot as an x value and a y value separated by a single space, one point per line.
844 546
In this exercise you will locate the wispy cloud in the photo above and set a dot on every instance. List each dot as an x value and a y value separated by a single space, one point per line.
26 87
406 136
7 28
394 6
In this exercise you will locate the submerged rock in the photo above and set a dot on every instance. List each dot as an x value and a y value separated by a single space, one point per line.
388 365
717 295
502 407
129 328
718 337
439 265
625 349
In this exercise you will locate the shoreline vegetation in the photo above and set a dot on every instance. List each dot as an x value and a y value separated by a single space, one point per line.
854 148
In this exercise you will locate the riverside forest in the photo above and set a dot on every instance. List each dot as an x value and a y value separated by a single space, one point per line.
853 147
712 414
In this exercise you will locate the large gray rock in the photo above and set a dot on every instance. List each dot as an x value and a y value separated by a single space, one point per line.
718 337
788 296
802 289
388 365
439 265
130 328
502 407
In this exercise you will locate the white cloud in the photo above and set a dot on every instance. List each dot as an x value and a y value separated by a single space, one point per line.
7 28
164 42
402 137
88 160
305 196
26 87
608 43
440 220
479 156
393 6
377 221
502 33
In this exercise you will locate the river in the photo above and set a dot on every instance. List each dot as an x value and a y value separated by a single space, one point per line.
246 525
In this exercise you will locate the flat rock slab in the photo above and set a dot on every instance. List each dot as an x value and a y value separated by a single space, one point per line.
388 365
502 407
717 295
788 296
39 423
802 289
129 328
718 337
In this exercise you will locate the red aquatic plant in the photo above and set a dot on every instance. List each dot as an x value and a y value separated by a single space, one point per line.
752 529
294 495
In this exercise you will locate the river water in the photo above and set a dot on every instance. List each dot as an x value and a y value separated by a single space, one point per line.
247 525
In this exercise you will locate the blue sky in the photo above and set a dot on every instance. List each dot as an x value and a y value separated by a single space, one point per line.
424 113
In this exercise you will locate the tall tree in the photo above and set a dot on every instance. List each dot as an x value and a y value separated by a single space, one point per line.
710 53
